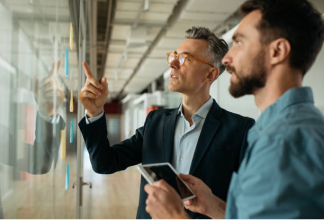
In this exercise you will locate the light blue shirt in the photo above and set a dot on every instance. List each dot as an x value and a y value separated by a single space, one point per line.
282 174
186 137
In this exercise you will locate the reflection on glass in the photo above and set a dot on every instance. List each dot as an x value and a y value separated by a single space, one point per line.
34 109
36 144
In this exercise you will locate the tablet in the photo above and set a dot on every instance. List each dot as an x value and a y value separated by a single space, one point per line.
165 171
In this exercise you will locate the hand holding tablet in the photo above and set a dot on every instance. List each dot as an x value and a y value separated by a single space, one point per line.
165 171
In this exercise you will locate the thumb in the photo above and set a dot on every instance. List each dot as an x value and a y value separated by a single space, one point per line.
189 179
184 177
104 84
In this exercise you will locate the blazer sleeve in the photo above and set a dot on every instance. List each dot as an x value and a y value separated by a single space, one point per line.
106 159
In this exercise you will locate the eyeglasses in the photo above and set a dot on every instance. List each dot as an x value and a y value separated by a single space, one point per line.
182 58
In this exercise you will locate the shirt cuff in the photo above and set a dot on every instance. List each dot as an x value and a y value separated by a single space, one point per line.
54 120
93 119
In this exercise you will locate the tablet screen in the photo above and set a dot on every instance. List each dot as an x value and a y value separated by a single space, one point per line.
158 172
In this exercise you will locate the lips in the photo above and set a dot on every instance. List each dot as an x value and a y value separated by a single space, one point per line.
173 76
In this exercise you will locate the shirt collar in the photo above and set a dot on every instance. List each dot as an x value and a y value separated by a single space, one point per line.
203 111
291 97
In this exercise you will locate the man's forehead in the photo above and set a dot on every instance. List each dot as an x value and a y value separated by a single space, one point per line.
192 46
248 25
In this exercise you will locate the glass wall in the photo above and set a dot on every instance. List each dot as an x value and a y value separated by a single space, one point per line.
38 99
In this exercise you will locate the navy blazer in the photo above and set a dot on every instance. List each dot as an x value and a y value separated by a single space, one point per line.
219 151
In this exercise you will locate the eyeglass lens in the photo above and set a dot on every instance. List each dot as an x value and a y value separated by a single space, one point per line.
180 56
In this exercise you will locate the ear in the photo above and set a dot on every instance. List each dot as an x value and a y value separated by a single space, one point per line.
213 74
279 51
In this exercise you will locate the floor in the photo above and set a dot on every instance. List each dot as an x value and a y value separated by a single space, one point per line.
43 196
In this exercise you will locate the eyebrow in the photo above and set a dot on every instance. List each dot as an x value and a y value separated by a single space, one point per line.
185 53
237 35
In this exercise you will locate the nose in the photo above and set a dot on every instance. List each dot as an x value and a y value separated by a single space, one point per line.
175 64
227 59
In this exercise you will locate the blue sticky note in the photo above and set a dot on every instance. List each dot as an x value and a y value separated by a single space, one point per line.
67 180
71 132
66 62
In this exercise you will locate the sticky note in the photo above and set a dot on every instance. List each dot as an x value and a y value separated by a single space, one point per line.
67 177
71 101
71 36
71 132
63 146
66 62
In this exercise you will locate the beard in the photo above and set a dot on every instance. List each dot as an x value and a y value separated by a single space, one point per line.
248 84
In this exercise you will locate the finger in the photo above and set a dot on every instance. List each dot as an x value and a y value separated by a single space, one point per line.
90 88
93 82
186 203
147 209
189 178
163 185
149 189
88 95
52 93
48 79
87 70
84 89
104 84
51 85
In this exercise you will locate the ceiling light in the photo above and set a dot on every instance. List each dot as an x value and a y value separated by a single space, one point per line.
146 5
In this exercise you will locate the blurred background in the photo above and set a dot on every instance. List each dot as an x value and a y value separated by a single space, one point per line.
45 170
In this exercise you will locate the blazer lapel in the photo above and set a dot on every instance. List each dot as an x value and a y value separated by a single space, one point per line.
207 134
168 135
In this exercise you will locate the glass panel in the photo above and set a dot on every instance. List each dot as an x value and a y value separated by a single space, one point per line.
36 78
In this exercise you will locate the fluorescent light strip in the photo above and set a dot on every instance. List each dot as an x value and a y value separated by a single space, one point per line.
7 66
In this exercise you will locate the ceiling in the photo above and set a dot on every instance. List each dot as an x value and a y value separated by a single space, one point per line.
134 59
126 43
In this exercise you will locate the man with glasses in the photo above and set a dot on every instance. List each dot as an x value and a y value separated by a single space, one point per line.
198 138
282 174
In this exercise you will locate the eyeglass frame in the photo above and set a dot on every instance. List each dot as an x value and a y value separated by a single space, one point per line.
186 56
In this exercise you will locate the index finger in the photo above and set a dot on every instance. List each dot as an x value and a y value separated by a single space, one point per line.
87 70
149 188
188 178
164 185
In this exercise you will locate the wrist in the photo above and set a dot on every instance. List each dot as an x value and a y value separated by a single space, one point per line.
217 210
94 114
182 215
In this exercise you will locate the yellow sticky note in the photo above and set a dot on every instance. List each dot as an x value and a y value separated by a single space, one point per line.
63 148
71 102
71 36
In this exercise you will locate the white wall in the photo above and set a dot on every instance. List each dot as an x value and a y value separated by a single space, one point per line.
315 79
244 106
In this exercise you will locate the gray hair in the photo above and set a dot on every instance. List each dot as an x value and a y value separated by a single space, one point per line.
217 47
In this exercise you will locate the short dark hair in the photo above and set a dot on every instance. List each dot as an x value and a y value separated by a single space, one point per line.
295 20
217 47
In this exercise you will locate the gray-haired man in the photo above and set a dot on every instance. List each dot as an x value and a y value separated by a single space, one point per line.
198 138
